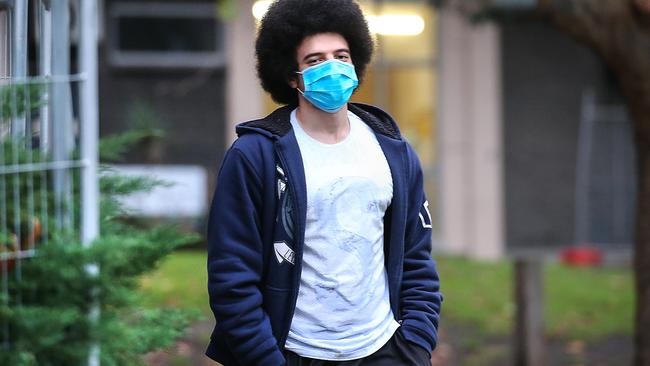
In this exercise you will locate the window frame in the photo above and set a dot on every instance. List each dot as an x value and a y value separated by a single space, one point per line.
119 58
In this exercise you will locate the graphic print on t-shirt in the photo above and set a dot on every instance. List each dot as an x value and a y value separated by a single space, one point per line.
346 212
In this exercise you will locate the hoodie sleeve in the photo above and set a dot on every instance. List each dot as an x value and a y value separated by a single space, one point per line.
420 299
235 264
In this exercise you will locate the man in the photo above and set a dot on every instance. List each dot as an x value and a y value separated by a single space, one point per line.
319 232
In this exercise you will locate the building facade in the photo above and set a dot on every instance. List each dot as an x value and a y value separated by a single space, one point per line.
522 135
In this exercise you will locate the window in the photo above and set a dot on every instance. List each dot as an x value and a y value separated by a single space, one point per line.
165 35
402 79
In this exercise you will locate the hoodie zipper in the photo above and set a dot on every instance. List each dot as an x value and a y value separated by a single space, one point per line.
299 235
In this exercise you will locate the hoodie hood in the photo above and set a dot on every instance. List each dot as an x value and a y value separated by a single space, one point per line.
278 124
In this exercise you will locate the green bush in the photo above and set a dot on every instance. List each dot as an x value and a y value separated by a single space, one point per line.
45 313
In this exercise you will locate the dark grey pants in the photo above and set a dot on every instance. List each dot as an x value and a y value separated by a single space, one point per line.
396 352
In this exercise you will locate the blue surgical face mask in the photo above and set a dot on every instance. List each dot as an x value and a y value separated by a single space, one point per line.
329 85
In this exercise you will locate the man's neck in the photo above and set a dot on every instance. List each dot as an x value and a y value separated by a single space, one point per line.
328 128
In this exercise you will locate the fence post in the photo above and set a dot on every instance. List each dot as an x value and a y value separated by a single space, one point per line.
45 69
19 58
88 108
529 320
62 143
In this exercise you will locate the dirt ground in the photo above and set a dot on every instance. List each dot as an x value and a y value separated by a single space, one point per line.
458 346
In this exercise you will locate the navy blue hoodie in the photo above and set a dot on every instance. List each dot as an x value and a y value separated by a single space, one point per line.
256 235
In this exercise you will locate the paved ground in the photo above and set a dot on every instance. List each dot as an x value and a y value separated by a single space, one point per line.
462 346
459 346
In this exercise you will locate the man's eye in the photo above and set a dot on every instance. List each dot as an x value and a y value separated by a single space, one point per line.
342 57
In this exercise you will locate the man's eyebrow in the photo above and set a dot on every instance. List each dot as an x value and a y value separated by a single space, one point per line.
320 53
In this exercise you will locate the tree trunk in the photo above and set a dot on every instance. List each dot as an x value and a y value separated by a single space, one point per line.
637 96
642 255
634 79
619 31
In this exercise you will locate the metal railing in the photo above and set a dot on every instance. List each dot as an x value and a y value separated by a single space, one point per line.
48 134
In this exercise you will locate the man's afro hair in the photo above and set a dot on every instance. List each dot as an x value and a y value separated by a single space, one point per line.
288 22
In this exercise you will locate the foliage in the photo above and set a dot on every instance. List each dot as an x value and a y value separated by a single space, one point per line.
226 9
113 147
15 99
20 184
45 310
145 118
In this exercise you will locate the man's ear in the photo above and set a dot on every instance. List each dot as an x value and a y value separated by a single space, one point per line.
293 82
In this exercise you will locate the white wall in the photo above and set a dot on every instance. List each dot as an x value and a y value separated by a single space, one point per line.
243 92
472 217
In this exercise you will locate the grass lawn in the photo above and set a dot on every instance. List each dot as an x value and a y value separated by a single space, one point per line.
179 281
579 302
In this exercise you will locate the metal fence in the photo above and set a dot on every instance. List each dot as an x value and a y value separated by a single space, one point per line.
605 175
48 132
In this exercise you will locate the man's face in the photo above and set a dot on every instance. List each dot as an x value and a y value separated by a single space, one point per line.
319 48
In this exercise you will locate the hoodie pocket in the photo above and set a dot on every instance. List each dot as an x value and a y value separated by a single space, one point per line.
277 307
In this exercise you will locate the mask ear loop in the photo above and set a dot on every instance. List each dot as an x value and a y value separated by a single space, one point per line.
297 88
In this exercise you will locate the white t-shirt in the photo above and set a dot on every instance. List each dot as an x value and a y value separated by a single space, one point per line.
343 310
